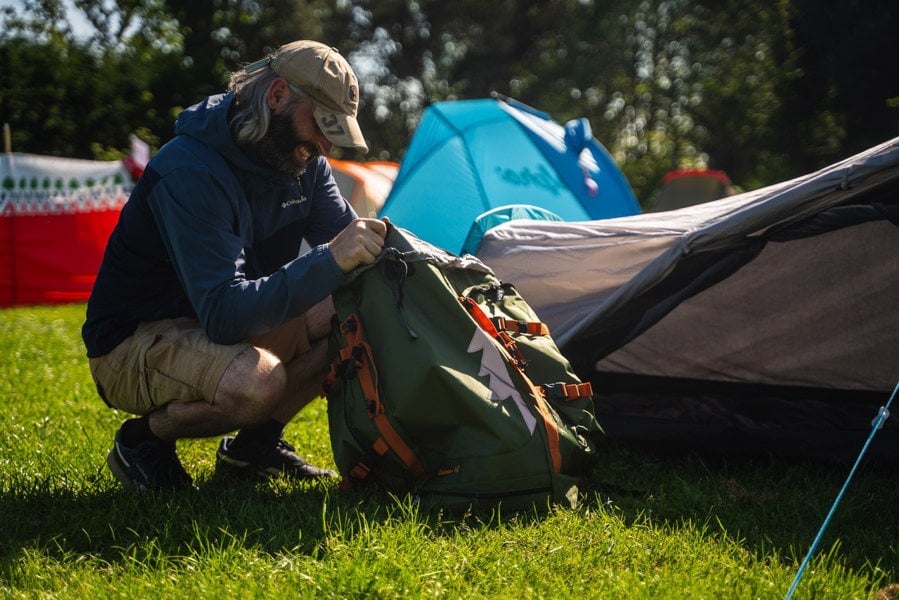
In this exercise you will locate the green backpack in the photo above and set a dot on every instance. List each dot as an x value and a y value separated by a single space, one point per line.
445 385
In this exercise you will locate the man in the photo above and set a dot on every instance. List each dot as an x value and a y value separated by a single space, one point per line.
204 319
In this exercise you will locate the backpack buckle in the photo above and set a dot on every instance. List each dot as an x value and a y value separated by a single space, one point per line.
349 366
554 391
349 325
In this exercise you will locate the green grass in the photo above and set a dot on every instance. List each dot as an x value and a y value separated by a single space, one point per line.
650 527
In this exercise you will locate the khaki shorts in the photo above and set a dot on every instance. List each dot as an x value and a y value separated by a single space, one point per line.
174 361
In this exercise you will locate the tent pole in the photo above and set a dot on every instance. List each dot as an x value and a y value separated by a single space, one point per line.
7 149
876 424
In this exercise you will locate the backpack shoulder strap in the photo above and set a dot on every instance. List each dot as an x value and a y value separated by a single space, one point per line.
357 356
518 361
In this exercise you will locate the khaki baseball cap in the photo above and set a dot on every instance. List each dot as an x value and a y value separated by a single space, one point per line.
322 73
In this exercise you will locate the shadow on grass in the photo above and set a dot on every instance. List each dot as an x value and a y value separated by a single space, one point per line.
114 525
767 504
110 523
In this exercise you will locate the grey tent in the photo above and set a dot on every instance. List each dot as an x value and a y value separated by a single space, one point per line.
762 322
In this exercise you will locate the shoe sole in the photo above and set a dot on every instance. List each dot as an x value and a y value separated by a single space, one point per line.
114 462
247 469
232 462
243 468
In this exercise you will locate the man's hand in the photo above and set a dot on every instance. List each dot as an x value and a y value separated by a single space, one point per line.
359 243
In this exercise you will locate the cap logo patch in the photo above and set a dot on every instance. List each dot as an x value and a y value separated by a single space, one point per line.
354 94
330 124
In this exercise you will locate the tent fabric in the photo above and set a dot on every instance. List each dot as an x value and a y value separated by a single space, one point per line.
767 312
55 217
468 157
365 185
503 214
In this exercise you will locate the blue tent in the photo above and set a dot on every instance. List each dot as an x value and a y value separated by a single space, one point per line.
472 156
503 214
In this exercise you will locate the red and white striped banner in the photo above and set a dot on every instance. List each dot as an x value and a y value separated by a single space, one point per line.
55 217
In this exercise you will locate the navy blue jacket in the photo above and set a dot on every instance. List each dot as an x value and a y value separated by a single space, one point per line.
212 234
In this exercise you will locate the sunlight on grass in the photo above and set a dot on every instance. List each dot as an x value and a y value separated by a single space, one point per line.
653 527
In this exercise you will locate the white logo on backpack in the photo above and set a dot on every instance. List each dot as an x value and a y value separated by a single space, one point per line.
494 365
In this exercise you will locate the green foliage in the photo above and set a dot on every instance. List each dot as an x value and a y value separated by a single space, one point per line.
763 90
650 527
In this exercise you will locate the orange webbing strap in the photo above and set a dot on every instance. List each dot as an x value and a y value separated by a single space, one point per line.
504 339
360 351
357 473
529 327
549 424
361 470
567 391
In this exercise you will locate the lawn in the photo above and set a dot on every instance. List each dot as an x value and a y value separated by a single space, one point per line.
649 526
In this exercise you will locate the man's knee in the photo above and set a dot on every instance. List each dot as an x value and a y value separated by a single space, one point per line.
309 366
318 321
252 386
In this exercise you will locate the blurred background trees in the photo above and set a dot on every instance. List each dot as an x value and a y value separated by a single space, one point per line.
763 90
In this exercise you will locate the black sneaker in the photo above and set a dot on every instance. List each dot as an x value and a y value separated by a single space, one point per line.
147 466
275 461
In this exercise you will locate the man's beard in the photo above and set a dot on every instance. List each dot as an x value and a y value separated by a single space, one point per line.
277 146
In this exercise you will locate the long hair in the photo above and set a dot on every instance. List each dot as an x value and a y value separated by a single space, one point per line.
251 115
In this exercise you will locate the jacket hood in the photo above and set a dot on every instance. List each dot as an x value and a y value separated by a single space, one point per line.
207 121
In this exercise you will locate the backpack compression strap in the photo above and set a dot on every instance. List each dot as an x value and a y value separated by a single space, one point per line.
504 339
359 355
553 391
517 360
528 327
567 391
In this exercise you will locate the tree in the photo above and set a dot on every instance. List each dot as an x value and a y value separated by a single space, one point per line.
70 96
429 51
845 97
765 91
745 59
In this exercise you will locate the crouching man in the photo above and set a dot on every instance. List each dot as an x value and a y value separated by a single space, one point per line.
204 319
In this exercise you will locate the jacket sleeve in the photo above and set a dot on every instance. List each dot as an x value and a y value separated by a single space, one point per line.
198 216
330 212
